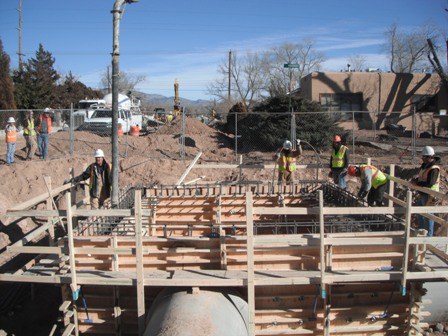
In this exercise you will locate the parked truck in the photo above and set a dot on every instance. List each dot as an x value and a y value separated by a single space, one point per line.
129 114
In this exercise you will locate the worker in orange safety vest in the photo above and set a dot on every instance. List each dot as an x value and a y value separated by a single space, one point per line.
11 139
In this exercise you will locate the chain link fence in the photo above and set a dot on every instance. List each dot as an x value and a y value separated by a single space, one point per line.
388 137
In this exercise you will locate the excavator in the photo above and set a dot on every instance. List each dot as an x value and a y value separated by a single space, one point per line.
177 108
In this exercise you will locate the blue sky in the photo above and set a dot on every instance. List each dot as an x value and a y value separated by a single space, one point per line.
187 39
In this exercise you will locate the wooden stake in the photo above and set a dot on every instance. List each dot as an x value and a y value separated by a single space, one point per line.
139 262
250 263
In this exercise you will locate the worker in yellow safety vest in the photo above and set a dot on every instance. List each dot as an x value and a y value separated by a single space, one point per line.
11 139
339 161
29 134
286 160
373 183
428 177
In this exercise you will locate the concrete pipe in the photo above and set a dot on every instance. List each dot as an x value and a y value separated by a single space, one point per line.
190 313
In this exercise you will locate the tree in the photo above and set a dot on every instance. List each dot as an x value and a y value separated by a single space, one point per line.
267 129
248 82
7 101
71 90
303 54
357 62
407 51
126 81
36 82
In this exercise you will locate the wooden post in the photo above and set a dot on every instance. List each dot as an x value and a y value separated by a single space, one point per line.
241 168
369 161
407 231
322 243
86 188
72 260
223 248
139 262
49 204
250 262
391 184
327 307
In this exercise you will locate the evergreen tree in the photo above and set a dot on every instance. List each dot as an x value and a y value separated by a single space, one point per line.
270 125
35 82
6 85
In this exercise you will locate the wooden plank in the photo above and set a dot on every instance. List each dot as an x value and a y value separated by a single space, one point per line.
39 199
412 186
330 211
139 262
391 184
322 242
436 219
68 331
71 248
428 240
36 249
250 264
37 232
406 241
184 175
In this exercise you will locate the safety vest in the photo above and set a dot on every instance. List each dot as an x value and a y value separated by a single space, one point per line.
29 130
49 128
286 161
11 134
378 178
423 176
337 158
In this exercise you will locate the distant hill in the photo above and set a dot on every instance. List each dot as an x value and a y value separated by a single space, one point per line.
162 101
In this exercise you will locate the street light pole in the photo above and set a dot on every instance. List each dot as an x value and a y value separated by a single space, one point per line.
117 12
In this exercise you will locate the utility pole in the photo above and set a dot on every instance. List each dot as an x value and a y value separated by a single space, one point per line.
230 76
117 13
19 53
108 78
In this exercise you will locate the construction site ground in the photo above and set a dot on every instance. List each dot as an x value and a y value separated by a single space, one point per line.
150 159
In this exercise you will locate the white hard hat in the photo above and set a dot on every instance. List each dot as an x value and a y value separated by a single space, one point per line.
428 151
287 144
99 153
47 110
11 120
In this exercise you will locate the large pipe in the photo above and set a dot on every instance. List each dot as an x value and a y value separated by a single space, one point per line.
180 312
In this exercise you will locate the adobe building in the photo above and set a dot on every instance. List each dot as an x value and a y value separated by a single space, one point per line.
381 92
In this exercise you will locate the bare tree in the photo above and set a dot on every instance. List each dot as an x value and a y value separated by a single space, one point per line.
127 81
247 79
407 51
357 62
303 54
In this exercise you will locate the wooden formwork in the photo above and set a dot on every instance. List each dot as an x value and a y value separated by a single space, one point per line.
295 282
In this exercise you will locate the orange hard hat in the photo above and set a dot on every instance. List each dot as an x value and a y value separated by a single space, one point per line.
337 138
351 170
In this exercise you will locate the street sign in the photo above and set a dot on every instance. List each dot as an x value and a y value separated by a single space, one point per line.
291 65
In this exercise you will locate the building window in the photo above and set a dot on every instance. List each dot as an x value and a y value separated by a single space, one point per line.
424 103
341 101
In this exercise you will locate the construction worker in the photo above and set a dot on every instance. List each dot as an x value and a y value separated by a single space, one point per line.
169 117
373 183
339 162
428 177
29 134
100 181
286 159
44 128
11 139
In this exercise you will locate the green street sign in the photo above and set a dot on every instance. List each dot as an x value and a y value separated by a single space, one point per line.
291 65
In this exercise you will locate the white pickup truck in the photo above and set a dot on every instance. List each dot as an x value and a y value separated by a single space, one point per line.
129 114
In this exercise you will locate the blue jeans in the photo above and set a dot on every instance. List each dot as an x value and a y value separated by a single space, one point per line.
42 144
423 222
10 149
339 178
